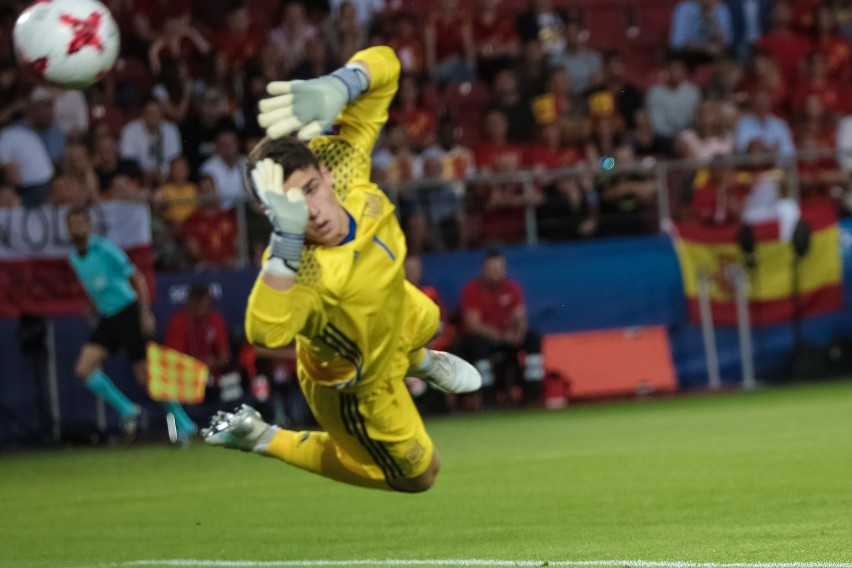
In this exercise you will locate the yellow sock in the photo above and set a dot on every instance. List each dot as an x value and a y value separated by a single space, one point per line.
415 358
317 453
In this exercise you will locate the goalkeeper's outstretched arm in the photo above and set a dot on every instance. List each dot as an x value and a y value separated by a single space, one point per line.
355 97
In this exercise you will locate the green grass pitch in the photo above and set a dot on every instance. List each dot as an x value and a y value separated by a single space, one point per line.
748 478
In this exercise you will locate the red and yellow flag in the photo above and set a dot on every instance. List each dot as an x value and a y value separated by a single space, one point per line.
176 376
714 249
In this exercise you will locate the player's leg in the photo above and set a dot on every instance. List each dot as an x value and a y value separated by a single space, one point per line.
315 452
89 370
445 371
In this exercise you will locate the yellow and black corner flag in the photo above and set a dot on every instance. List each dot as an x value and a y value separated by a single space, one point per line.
176 376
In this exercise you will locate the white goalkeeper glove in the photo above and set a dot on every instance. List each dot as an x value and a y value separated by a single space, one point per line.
310 107
288 213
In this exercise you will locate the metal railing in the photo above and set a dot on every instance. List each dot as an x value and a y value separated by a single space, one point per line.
673 180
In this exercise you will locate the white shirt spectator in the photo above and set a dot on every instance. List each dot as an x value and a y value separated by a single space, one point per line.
152 151
72 112
23 148
672 108
229 180
844 143
364 8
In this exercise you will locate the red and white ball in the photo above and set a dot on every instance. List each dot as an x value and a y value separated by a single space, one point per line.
71 43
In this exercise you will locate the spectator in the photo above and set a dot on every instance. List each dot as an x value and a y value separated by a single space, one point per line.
498 210
408 45
517 110
749 19
396 158
830 42
559 103
178 195
645 142
614 93
495 38
226 167
316 62
346 36
77 169
239 41
672 103
459 161
549 153
819 172
568 212
435 210
497 153
450 53
409 110
701 30
766 198
533 69
200 130
708 137
199 330
724 87
66 191
26 164
816 81
627 196
114 172
762 125
787 47
364 9
174 91
151 142
715 194
495 323
179 43
9 198
293 32
71 112
604 138
583 64
210 232
766 76
41 120
542 22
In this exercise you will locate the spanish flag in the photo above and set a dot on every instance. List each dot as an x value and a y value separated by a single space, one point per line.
714 249
175 376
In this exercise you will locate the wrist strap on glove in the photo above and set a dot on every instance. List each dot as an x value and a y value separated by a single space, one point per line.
354 78
287 247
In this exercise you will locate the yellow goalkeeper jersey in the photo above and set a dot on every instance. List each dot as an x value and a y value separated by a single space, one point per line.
351 312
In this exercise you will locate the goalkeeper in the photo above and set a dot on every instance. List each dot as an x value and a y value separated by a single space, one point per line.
333 280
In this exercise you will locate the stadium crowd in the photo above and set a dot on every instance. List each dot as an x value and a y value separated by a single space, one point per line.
491 88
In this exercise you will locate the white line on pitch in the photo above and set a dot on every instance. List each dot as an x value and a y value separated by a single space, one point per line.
179 563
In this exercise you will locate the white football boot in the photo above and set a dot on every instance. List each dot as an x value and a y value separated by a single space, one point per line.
447 372
243 429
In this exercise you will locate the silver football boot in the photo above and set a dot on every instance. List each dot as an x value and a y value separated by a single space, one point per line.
243 429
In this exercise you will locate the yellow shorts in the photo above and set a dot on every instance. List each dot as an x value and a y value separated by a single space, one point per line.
378 433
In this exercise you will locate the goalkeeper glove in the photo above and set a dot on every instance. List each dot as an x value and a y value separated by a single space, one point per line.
310 107
288 213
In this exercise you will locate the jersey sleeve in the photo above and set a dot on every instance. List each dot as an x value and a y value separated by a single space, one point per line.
118 258
274 318
361 120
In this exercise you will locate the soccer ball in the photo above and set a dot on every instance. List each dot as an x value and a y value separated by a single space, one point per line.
70 43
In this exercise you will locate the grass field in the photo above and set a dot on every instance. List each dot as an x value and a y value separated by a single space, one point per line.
753 478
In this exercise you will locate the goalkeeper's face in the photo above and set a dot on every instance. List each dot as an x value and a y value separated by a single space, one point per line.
328 223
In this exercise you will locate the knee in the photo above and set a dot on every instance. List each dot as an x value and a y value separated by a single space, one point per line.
422 482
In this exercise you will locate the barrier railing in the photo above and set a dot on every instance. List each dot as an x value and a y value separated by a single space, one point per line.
450 212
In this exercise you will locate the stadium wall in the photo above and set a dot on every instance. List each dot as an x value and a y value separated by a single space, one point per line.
578 287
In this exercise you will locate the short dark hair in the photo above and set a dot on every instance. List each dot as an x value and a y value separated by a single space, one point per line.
492 252
198 292
290 153
77 211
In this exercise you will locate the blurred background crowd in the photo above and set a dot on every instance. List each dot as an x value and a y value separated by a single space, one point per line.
513 121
